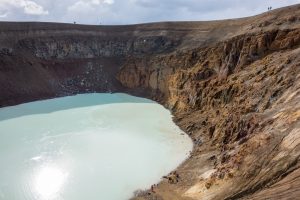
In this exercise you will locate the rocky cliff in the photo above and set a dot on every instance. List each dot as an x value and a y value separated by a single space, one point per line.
233 86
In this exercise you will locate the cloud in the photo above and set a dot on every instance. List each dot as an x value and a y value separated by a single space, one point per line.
85 6
27 6
132 11
88 4
32 8
97 2
87 9
3 15
80 6
108 1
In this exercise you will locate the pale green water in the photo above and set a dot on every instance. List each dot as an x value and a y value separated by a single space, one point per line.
91 146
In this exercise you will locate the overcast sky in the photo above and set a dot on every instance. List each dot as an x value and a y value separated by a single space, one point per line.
132 11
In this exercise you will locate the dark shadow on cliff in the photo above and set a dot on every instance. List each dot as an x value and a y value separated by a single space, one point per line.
66 103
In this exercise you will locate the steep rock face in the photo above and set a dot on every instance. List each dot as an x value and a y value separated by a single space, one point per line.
91 47
228 98
232 85
191 75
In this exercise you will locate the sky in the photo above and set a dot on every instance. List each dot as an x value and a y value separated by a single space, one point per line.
132 11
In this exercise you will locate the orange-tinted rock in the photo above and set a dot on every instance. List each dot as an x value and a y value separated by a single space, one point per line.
232 85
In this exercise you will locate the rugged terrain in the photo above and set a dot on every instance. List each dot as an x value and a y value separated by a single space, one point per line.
232 85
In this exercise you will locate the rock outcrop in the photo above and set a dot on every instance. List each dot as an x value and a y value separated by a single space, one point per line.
233 86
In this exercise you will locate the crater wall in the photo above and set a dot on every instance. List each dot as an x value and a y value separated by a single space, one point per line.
232 85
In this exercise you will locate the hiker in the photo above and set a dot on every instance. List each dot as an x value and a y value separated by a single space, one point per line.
152 188
177 176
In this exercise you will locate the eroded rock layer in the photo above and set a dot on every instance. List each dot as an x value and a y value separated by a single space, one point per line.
233 86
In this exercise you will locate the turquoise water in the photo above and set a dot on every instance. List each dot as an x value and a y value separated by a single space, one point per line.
90 146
